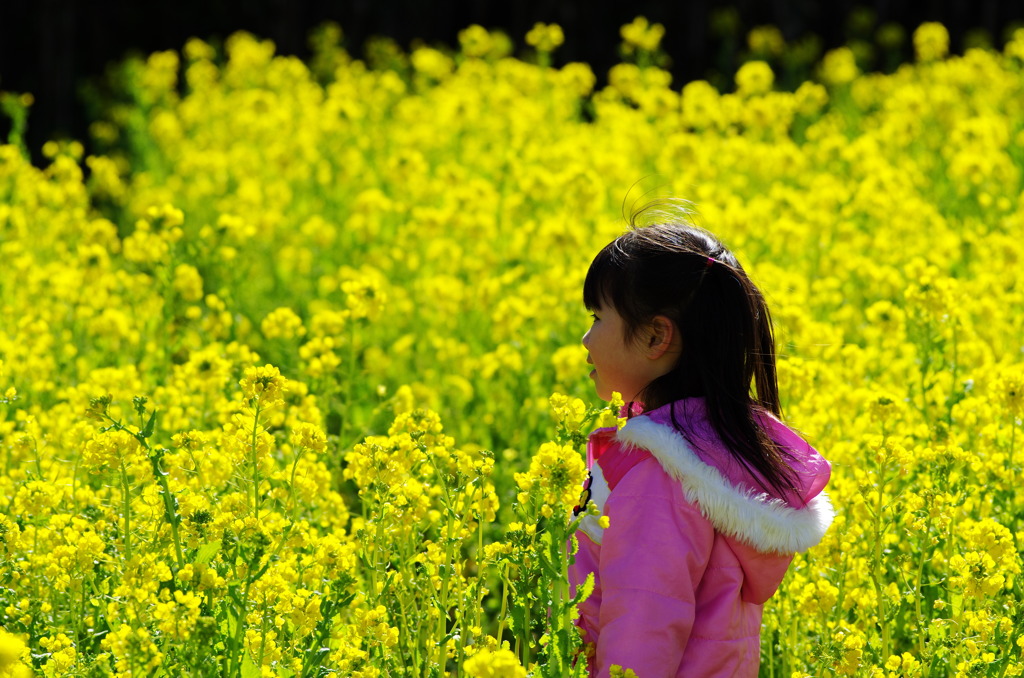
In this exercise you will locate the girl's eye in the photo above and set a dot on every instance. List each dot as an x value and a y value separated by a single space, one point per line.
594 316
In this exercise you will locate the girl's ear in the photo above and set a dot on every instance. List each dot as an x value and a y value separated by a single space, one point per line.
663 339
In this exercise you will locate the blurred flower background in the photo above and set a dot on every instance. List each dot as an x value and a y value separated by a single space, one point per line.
291 378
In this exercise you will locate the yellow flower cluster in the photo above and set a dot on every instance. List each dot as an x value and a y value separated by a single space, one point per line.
406 238
13 656
264 384
554 478
931 41
642 34
497 664
545 37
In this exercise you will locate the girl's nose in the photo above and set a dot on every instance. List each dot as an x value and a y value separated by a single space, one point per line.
586 339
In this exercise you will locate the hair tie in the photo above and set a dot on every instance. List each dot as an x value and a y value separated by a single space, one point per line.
709 262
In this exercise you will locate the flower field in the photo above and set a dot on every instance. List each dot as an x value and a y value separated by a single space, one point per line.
277 364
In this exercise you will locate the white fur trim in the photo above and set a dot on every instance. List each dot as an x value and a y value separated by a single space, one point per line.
766 523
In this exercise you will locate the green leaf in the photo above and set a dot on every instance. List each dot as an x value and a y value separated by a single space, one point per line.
206 552
583 592
147 430
517 618
249 668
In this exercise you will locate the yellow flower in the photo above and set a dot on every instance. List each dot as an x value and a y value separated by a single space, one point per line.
839 66
555 475
107 450
931 41
611 414
475 40
265 384
12 656
568 412
766 40
580 80
545 37
282 323
642 34
432 63
188 283
309 437
1009 390
8 394
494 664
754 77
364 298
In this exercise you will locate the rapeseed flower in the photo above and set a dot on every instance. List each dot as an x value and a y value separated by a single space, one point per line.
309 437
265 384
282 323
839 66
754 77
473 181
642 34
545 37
1009 389
13 653
475 41
188 283
931 41
554 478
501 663
766 40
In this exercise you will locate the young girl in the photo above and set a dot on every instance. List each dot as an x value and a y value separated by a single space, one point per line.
707 493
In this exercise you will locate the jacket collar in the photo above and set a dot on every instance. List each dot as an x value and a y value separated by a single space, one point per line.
764 522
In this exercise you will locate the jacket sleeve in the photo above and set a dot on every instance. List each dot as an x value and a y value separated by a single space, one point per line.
653 556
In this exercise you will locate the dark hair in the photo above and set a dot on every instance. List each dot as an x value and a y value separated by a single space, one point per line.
679 270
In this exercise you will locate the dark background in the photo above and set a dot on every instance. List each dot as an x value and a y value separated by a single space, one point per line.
50 47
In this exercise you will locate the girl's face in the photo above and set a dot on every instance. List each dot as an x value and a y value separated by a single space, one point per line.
618 366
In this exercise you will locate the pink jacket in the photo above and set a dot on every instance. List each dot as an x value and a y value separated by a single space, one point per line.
694 546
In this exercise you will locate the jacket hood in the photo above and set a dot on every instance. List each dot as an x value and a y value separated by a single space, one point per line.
764 530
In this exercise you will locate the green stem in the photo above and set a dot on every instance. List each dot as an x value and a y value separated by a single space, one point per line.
564 610
292 504
917 600
925 365
794 638
263 633
503 614
81 616
236 643
953 386
170 513
877 564
255 463
478 596
479 574
349 378
410 648
443 599
126 495
527 633
1013 436
39 464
